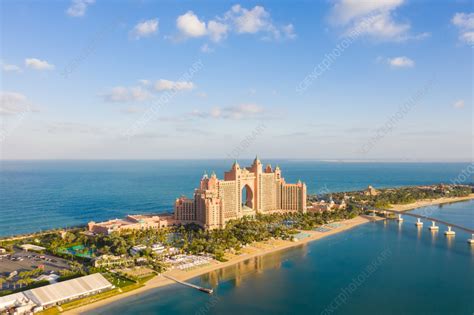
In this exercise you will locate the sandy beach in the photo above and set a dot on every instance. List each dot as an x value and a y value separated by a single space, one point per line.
430 202
253 250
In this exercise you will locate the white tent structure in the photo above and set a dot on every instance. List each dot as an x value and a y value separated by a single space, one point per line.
68 290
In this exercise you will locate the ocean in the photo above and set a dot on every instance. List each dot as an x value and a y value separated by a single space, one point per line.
39 195
375 268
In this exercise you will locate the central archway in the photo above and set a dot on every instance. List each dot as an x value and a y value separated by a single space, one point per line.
247 197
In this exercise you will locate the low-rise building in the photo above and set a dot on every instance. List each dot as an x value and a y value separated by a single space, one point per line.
131 222
137 249
33 248
322 206
158 248
40 298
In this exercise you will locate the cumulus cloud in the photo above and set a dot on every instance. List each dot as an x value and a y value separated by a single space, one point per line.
38 64
166 85
13 103
190 25
401 62
145 28
459 104
78 7
373 19
120 94
217 30
257 20
238 20
465 23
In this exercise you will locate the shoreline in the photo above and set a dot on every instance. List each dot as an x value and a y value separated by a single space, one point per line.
429 202
252 251
258 249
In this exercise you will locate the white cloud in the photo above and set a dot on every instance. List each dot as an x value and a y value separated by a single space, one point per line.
10 68
78 7
289 31
381 26
217 30
12 103
38 64
345 11
239 20
165 85
250 21
464 20
401 62
465 23
257 20
459 104
190 25
122 94
243 111
373 19
145 28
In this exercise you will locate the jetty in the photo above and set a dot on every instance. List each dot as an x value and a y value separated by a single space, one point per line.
202 289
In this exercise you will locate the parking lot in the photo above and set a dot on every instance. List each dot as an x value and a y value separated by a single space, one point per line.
24 261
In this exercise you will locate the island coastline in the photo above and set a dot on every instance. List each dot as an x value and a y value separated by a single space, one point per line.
277 245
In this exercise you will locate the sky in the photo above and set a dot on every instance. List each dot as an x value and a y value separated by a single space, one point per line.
324 80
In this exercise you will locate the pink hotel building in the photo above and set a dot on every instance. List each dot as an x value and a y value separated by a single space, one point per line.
243 192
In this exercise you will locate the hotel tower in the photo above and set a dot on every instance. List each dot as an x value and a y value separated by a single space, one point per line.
242 192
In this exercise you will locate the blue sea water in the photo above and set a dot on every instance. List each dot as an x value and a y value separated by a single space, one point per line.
38 195
377 268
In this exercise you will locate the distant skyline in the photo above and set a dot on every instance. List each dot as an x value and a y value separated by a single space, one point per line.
332 80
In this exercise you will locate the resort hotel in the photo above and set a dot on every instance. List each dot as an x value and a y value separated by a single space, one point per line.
243 192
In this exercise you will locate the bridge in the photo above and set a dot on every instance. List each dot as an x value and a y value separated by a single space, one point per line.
433 227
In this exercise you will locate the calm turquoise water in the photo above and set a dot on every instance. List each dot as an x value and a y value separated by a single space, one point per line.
36 195
411 272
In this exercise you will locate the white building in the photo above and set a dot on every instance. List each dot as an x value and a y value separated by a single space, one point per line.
54 294
158 248
137 249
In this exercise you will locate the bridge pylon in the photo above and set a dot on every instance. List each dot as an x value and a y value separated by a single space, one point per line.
449 232
419 223
433 226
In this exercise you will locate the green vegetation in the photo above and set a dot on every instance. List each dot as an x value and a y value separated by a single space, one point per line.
403 195
241 232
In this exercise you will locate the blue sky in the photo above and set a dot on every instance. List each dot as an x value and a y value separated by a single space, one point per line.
342 79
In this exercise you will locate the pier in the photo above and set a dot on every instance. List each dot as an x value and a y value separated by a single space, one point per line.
202 289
